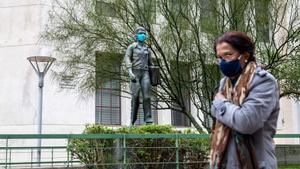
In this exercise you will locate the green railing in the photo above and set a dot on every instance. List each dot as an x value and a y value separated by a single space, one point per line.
14 153
9 151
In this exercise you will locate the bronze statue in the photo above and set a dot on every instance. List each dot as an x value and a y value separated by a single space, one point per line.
138 61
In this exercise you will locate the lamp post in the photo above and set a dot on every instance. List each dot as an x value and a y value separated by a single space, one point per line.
41 65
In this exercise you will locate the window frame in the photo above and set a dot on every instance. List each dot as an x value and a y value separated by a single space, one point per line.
101 87
99 94
185 121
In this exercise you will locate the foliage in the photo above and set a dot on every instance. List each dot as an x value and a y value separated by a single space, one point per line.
95 153
289 166
92 152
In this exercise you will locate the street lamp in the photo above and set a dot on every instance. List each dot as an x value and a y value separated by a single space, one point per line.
41 65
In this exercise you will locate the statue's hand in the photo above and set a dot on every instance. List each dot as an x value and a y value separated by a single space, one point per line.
132 77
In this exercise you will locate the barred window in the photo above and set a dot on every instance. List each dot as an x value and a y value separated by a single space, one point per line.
145 10
237 10
108 107
262 20
208 17
105 9
108 92
182 76
180 119
180 10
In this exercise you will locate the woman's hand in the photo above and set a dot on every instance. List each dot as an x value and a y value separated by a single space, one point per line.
219 96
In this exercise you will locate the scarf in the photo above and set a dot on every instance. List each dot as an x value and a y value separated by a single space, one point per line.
221 134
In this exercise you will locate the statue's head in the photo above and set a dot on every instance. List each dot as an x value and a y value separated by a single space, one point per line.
141 34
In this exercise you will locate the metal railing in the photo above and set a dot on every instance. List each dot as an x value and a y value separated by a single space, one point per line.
15 152
12 156
288 154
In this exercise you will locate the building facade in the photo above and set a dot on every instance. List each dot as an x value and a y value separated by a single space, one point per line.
64 111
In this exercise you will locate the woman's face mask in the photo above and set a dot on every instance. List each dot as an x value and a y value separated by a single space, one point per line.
141 37
231 68
229 59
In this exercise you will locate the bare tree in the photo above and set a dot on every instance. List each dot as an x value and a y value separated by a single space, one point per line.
181 37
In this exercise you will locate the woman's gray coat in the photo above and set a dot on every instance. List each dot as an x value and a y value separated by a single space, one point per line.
257 116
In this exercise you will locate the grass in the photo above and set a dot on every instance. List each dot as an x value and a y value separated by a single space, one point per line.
289 166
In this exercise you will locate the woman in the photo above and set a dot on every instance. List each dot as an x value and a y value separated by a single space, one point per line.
246 108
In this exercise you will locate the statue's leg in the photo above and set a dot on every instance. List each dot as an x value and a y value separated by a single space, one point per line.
146 89
135 101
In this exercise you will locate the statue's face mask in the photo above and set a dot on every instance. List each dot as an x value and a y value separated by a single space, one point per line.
141 37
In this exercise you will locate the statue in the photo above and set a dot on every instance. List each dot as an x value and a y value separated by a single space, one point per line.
138 61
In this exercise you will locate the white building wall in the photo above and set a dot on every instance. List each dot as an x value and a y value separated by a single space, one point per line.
164 116
296 117
125 109
63 112
288 121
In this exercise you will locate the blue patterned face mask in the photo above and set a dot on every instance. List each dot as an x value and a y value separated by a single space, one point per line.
231 68
141 37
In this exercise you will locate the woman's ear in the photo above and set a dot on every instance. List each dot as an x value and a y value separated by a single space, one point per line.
246 56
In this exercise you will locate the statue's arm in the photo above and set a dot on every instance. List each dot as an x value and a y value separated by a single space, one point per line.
150 60
128 62
128 55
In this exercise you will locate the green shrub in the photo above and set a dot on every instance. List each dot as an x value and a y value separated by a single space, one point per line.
140 153
93 152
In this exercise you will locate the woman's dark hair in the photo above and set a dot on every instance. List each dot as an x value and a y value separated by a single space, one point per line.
238 40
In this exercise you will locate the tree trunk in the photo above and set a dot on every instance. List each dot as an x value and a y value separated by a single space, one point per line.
194 122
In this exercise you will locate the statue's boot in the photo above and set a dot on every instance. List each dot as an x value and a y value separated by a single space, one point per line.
147 110
134 109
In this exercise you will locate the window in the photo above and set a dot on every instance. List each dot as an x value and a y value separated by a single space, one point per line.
210 89
262 20
178 117
108 107
145 10
105 8
108 92
208 16
237 9
179 9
